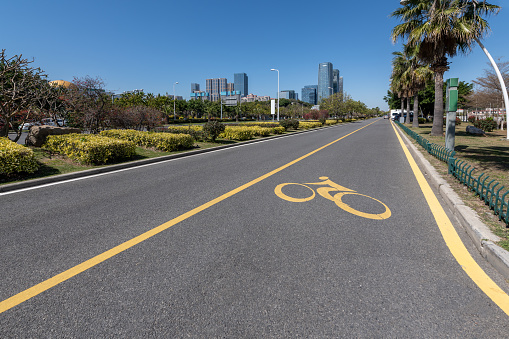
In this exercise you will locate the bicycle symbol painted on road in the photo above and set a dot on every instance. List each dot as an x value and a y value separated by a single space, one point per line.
328 193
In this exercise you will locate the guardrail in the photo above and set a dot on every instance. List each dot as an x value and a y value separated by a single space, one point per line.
487 190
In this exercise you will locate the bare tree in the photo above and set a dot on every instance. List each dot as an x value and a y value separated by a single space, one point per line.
488 92
88 103
19 91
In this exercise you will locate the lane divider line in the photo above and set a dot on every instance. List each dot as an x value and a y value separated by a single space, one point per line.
59 278
452 239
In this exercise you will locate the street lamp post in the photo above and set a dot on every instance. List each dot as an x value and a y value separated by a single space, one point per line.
174 99
273 69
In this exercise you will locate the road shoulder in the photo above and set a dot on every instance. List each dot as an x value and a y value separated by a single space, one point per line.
482 237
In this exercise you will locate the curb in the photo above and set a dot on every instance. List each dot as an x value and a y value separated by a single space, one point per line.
484 240
111 168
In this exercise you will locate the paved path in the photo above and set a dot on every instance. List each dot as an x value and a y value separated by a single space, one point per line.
203 246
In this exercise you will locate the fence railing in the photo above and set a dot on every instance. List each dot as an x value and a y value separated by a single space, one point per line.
488 190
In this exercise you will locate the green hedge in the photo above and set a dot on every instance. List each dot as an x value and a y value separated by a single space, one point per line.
162 141
90 149
15 158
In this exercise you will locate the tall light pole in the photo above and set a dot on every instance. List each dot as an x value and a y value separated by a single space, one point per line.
174 100
273 69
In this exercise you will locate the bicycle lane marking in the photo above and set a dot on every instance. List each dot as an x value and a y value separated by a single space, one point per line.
61 277
452 239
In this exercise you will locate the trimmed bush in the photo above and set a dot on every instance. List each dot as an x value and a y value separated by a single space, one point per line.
162 141
89 148
194 130
487 125
239 133
289 124
310 124
212 129
15 158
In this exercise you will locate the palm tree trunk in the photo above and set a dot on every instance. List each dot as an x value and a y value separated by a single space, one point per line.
415 123
438 115
407 110
402 106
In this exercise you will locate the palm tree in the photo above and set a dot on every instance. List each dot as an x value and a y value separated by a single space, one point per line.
441 28
399 78
419 74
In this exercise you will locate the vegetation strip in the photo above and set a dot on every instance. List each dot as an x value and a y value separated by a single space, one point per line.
47 284
488 190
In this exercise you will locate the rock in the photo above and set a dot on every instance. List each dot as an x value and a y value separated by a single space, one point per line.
474 130
37 134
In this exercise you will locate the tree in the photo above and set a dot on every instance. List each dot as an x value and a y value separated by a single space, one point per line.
19 90
488 92
441 28
90 105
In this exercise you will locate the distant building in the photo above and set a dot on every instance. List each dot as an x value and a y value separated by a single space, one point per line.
199 95
230 98
253 98
215 86
287 94
241 84
335 81
308 94
230 87
324 80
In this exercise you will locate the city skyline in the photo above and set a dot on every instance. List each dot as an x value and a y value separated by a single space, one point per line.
127 46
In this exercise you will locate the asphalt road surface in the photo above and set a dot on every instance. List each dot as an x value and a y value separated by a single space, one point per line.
246 242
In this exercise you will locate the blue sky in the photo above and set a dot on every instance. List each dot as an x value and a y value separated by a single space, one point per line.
152 44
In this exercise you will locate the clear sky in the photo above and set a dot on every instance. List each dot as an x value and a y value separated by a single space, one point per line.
152 44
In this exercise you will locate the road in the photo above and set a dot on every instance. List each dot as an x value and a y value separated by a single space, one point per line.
203 247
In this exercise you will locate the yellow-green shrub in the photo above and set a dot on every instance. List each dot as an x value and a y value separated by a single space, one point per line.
90 149
238 133
310 124
162 141
15 158
184 128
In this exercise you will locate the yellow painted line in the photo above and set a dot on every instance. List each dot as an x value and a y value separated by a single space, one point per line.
453 241
59 278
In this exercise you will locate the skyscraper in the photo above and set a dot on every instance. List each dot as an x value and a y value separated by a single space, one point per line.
195 87
215 86
335 80
309 94
240 80
324 80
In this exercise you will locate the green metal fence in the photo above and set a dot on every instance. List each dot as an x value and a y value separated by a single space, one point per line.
488 190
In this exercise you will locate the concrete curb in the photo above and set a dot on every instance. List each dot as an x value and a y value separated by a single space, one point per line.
484 240
111 168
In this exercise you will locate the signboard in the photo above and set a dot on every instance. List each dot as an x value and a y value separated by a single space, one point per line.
273 106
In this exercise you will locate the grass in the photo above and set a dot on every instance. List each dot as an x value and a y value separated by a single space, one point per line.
488 154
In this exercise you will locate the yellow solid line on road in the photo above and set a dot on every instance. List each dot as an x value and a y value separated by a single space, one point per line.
453 241
59 278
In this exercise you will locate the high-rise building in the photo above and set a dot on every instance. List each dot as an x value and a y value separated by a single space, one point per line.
240 80
195 87
335 80
340 86
324 80
215 86
309 94
230 87
287 94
